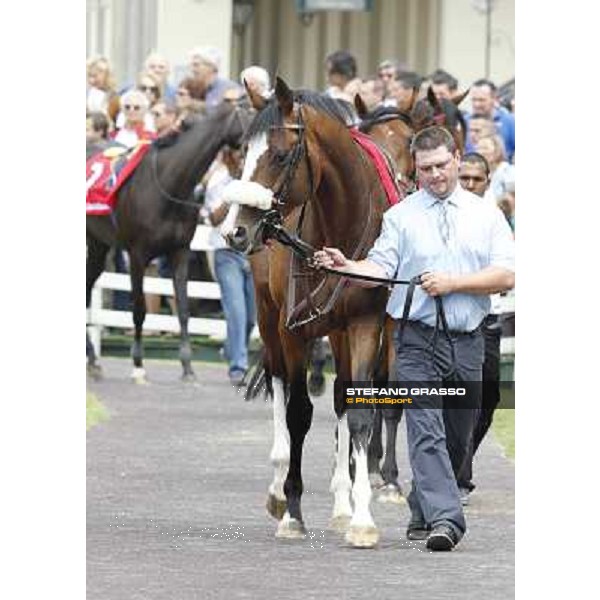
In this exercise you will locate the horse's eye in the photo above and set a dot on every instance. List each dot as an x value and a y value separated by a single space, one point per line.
281 156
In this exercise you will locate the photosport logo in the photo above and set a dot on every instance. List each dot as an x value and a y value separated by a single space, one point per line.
421 394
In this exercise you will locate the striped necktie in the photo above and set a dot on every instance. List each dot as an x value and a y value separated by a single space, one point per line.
443 223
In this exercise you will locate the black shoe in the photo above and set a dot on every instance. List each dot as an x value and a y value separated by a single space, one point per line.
417 531
442 538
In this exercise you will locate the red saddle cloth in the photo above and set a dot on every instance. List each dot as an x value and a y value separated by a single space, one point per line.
383 169
106 172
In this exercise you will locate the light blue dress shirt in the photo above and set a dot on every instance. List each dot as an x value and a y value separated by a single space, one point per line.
410 244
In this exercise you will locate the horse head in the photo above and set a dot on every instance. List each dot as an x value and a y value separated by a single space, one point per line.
430 111
282 168
392 129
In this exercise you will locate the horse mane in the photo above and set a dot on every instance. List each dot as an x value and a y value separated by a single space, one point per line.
380 112
271 115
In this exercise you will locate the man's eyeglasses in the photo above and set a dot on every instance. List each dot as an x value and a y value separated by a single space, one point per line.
148 88
183 93
132 107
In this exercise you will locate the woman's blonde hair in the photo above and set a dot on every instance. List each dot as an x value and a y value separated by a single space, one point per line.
101 63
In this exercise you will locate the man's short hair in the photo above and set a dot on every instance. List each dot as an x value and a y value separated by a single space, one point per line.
409 80
341 62
474 158
431 138
260 76
207 54
440 77
99 123
482 82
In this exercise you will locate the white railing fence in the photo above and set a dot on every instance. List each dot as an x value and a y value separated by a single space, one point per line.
99 317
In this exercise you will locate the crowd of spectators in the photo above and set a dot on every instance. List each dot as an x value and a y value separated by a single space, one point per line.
154 105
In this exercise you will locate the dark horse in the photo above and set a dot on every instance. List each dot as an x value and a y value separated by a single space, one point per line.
304 173
155 215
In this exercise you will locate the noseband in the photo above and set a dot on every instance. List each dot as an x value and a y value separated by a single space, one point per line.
271 225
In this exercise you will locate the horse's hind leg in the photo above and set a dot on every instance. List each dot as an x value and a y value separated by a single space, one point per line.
138 265
179 264
363 337
96 257
391 491
341 482
375 451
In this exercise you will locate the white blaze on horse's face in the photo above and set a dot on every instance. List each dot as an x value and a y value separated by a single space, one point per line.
256 148
246 191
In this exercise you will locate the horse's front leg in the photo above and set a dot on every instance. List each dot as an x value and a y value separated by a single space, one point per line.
363 337
179 263
137 267
298 418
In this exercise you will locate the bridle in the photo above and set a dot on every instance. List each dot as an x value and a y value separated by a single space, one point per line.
235 115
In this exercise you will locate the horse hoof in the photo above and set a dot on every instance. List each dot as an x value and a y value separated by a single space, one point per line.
95 372
362 537
290 529
376 480
340 523
276 507
390 494
138 376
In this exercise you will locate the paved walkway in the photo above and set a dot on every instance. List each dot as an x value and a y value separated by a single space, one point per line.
176 486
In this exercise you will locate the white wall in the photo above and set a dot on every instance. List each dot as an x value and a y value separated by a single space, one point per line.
462 41
184 24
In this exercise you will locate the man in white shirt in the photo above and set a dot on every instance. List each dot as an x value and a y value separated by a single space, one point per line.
463 250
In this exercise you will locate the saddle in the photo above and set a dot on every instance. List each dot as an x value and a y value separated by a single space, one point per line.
106 171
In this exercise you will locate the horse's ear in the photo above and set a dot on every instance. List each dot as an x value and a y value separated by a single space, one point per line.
413 100
257 101
458 99
285 96
361 108
432 99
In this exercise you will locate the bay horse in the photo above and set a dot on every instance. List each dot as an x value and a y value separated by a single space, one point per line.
431 111
155 215
304 171
393 130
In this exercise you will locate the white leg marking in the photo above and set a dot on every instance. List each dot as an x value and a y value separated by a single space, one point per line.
341 484
361 492
280 452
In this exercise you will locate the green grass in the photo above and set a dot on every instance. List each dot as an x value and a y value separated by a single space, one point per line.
95 412
503 426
